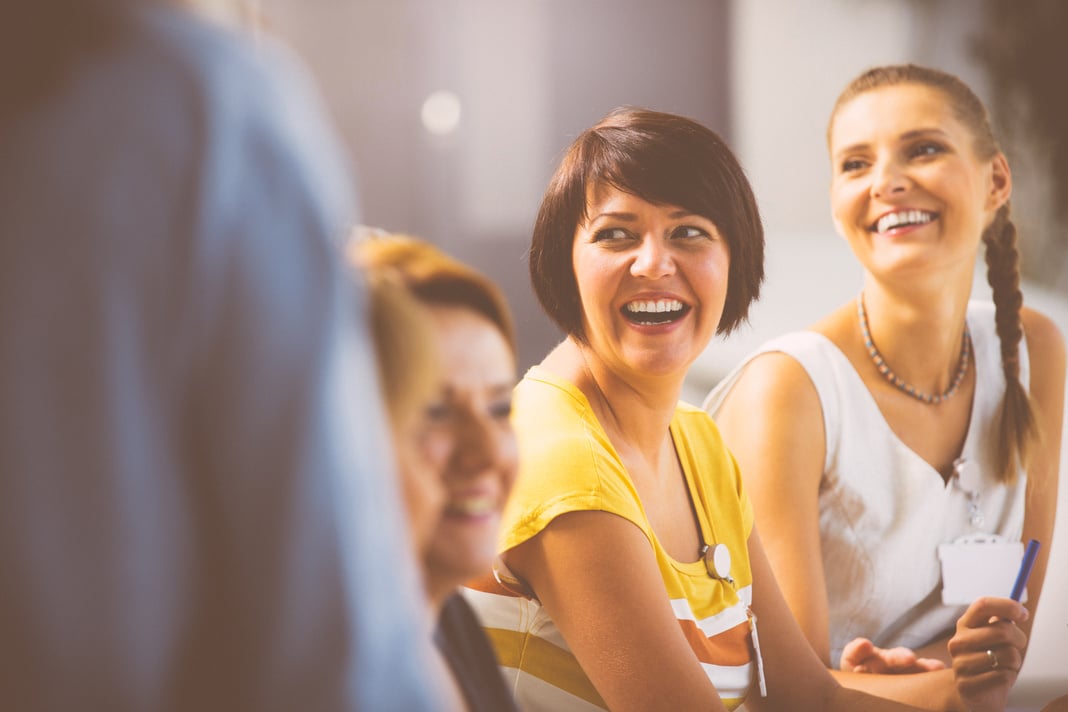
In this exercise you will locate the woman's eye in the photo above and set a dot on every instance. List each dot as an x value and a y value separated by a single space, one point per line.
610 233
438 412
501 410
925 149
852 165
689 231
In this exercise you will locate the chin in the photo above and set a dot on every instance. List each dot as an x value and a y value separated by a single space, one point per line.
461 562
661 366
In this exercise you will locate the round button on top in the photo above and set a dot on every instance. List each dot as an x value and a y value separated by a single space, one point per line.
718 562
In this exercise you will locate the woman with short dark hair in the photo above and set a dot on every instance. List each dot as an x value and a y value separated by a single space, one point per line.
631 577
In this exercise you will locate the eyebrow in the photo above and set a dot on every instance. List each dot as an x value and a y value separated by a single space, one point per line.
907 136
503 389
494 389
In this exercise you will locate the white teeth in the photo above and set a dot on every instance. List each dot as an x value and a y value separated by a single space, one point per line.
661 305
903 217
472 506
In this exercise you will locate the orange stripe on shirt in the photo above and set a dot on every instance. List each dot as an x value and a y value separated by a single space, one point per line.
731 647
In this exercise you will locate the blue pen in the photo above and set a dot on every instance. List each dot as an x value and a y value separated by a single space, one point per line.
1025 570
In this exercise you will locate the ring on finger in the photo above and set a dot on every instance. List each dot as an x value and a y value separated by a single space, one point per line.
993 658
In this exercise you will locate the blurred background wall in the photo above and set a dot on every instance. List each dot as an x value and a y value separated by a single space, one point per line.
526 76
456 111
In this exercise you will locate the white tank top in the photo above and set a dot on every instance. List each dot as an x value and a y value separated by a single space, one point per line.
883 509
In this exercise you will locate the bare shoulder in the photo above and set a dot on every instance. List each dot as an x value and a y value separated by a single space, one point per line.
1046 354
771 382
774 399
777 380
1044 337
772 421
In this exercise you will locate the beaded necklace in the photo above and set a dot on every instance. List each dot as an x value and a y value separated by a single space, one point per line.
880 363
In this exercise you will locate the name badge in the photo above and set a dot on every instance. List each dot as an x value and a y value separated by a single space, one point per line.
978 565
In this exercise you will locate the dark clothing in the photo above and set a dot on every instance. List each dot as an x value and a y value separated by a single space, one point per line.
471 659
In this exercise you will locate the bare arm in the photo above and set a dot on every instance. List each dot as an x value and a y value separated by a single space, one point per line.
626 637
773 423
797 678
1046 353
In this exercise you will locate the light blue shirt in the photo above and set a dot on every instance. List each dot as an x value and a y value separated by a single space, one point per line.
196 507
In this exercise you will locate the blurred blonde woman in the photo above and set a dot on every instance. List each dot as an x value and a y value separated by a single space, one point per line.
409 372
454 439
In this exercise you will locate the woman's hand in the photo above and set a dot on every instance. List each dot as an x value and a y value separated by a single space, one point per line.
861 655
987 651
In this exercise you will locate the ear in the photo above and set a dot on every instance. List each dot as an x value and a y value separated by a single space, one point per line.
1000 183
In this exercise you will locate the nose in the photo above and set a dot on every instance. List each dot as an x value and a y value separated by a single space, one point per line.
479 444
653 259
888 178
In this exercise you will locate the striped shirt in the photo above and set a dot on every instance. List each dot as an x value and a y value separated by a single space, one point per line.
567 464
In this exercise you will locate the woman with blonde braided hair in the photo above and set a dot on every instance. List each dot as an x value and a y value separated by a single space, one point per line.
913 428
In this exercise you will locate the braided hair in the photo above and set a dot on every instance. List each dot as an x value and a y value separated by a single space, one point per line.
1017 429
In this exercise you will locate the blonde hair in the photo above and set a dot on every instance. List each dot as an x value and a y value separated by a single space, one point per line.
408 367
1018 429
433 277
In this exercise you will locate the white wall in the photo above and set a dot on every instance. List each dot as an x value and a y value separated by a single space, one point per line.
530 75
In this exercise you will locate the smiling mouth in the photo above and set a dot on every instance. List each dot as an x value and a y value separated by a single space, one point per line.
652 313
902 218
471 506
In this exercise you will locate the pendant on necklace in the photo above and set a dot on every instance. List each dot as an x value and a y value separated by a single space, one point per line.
718 562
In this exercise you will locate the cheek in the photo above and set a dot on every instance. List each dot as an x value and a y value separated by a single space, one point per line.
592 270
848 216
716 274
846 198
509 456
585 283
422 459
435 447
837 210
423 493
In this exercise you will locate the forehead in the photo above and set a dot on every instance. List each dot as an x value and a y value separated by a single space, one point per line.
888 113
473 349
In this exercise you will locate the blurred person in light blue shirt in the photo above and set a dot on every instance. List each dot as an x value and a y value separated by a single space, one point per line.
197 507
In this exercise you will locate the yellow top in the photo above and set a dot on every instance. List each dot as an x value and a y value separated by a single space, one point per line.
567 464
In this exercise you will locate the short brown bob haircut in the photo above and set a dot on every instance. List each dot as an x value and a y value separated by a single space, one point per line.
664 159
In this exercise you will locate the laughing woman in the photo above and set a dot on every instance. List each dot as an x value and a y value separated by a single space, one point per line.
631 576
911 416
447 372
